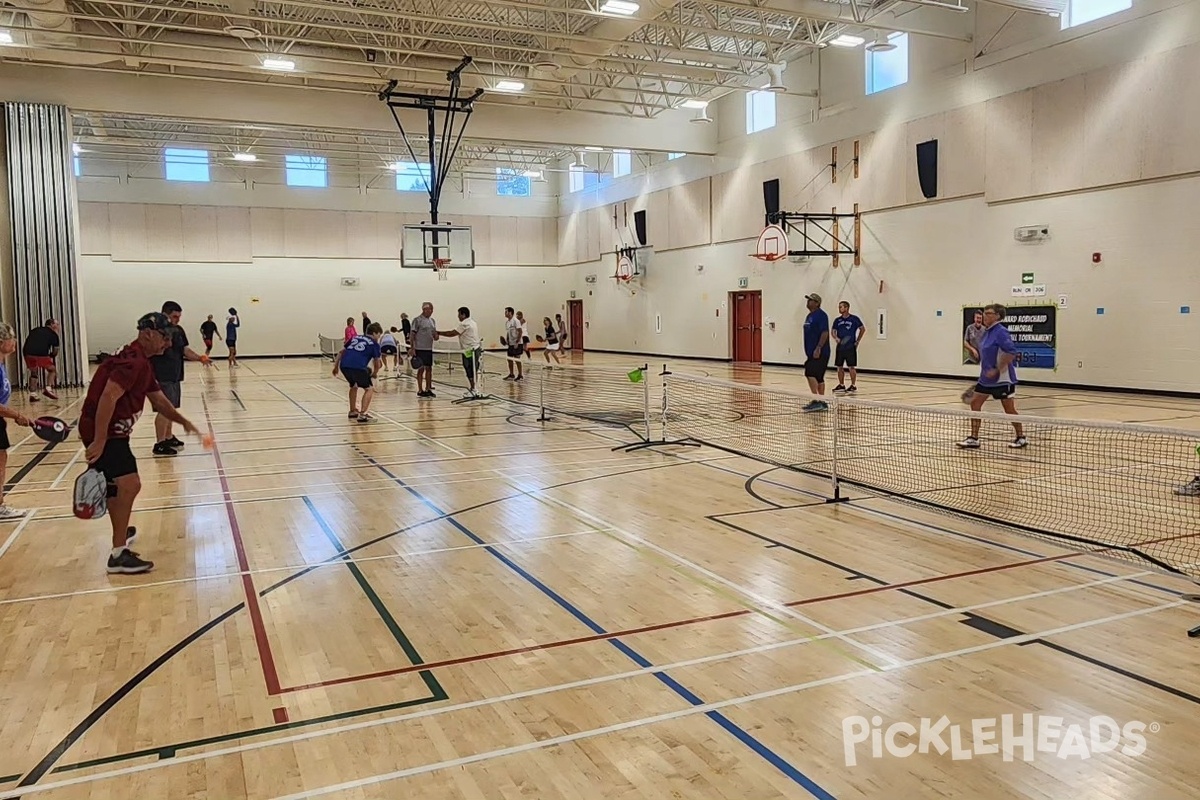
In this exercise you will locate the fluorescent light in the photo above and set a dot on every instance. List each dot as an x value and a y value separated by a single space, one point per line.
76 149
279 64
695 104
532 173
510 86
6 37
594 149
245 157
622 8
845 40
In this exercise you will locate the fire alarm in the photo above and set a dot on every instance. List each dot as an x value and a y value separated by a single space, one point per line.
1095 258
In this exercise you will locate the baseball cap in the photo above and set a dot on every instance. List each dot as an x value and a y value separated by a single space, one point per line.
155 321
814 297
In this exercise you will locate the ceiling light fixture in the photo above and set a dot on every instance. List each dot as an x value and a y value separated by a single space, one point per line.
701 117
532 173
6 37
622 8
510 86
695 103
881 44
278 64
594 149
845 40
245 157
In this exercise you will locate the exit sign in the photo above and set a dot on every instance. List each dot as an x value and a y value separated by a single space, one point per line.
1026 277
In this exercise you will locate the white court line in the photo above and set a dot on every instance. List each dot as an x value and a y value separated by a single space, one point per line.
332 561
413 431
12 537
58 481
760 600
588 682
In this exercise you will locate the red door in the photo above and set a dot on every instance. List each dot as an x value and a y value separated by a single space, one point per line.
575 324
747 326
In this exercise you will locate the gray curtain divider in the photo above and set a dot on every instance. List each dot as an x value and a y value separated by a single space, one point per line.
42 215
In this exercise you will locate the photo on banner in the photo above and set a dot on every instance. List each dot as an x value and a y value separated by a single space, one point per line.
1033 330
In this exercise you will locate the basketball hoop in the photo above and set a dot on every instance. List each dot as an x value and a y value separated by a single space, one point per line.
624 273
442 267
772 244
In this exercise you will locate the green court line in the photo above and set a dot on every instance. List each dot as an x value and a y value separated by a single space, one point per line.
436 693
394 627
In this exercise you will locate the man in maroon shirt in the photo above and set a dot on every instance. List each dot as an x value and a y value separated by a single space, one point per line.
115 399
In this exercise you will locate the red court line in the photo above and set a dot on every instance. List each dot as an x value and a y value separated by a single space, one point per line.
270 675
280 714
741 612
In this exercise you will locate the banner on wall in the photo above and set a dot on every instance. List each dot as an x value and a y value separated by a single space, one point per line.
1034 330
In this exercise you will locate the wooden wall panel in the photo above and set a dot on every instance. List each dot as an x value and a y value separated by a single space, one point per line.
128 227
689 216
1058 138
95 235
200 234
503 233
530 241
964 148
266 232
1008 164
363 239
164 233
233 235
550 241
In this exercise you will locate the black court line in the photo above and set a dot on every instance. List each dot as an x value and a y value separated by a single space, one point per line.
239 400
47 763
33 463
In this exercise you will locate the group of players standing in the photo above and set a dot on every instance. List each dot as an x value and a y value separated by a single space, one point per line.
364 354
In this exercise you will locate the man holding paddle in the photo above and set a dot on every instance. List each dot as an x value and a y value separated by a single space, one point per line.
114 401
8 346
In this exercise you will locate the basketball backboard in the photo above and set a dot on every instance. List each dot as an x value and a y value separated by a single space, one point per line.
421 244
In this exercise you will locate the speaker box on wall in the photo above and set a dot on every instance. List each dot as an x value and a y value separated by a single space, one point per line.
927 159
639 226
771 196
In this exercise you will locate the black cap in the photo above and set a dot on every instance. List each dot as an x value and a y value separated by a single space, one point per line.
155 321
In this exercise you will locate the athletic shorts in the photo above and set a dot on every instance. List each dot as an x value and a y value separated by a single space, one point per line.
173 390
231 342
1001 392
515 350
424 359
470 362
4 443
116 461
388 350
357 377
208 344
39 362
847 357
551 345
815 368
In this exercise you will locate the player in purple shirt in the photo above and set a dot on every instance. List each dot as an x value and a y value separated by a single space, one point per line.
997 374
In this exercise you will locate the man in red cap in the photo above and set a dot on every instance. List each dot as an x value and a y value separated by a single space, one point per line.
115 399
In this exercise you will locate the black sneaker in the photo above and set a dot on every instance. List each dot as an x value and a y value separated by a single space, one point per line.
852 389
174 442
430 394
354 414
839 388
128 563
165 449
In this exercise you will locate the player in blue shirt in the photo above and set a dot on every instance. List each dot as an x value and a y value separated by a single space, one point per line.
816 350
848 331
359 362
997 374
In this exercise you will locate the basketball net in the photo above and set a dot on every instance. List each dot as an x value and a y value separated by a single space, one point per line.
442 267
624 274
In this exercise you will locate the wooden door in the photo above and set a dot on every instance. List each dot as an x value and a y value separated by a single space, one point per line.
575 324
747 326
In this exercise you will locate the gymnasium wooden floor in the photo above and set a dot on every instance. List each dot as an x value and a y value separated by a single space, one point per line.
461 602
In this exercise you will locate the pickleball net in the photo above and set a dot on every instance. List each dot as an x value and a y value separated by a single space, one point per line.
1093 486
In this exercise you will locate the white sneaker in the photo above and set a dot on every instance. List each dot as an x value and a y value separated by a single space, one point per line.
969 443
1190 489
8 512
1019 442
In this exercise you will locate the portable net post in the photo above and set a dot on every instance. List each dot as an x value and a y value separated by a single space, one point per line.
649 441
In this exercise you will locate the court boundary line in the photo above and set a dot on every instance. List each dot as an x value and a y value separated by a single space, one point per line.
527 693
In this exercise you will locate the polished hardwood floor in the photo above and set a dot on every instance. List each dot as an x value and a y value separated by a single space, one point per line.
460 601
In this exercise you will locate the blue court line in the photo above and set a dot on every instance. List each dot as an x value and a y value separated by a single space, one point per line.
741 735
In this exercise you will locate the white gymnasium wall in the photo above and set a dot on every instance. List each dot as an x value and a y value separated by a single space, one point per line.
1090 131
278 253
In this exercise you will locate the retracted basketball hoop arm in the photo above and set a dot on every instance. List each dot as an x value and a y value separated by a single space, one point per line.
441 152
795 222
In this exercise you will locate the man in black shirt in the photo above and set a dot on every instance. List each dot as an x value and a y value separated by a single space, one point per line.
208 331
168 370
40 350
